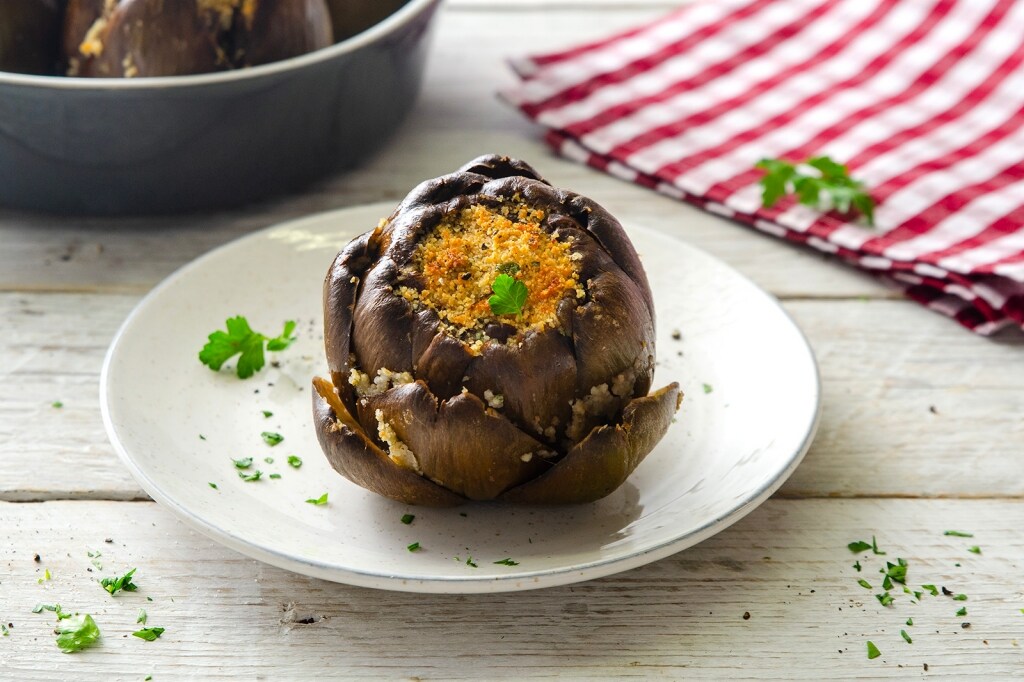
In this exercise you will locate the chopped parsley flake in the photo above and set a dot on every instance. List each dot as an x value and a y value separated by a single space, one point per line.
243 463
960 597
975 549
874 546
271 438
959 534
507 561
39 608
407 519
904 635
962 612
254 476
294 461
240 338
897 572
470 562
910 621
124 582
275 475
931 588
884 599
414 547
213 485
4 631
142 617
318 501
856 564
858 546
873 651
268 460
78 633
865 584
267 414
57 404
708 388
148 634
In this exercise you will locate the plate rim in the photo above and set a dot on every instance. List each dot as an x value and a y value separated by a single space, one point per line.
565 575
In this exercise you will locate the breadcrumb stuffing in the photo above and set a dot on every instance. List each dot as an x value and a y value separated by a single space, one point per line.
461 258
398 451
384 380
600 402
495 400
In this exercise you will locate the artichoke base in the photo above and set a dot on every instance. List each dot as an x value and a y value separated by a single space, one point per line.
592 469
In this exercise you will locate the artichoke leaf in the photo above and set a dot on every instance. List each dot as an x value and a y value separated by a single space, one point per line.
458 443
612 335
603 460
536 378
353 455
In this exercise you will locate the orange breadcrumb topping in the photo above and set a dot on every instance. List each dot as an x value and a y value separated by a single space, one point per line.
461 258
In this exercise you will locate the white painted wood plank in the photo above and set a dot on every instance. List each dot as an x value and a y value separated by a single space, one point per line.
228 617
884 365
458 118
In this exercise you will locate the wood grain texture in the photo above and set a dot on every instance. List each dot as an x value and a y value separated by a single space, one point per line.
884 366
787 565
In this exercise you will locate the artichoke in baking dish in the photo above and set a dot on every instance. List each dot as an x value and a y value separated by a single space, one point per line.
136 38
446 385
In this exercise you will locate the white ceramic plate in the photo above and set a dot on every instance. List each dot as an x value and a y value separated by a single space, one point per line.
748 416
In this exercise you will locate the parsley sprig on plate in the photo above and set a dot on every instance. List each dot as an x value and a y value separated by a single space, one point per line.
240 339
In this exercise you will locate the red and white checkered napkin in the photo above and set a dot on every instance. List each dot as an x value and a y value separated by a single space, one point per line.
922 99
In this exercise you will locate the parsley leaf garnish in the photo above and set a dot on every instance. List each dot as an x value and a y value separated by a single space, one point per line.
818 182
507 562
77 634
254 476
931 588
148 634
294 461
509 296
241 339
884 599
124 582
271 438
959 534
318 501
873 651
865 584
407 518
243 463
858 546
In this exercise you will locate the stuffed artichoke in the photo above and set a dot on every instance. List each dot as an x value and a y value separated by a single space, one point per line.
492 339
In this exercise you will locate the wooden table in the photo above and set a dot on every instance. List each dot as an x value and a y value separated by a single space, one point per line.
922 431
